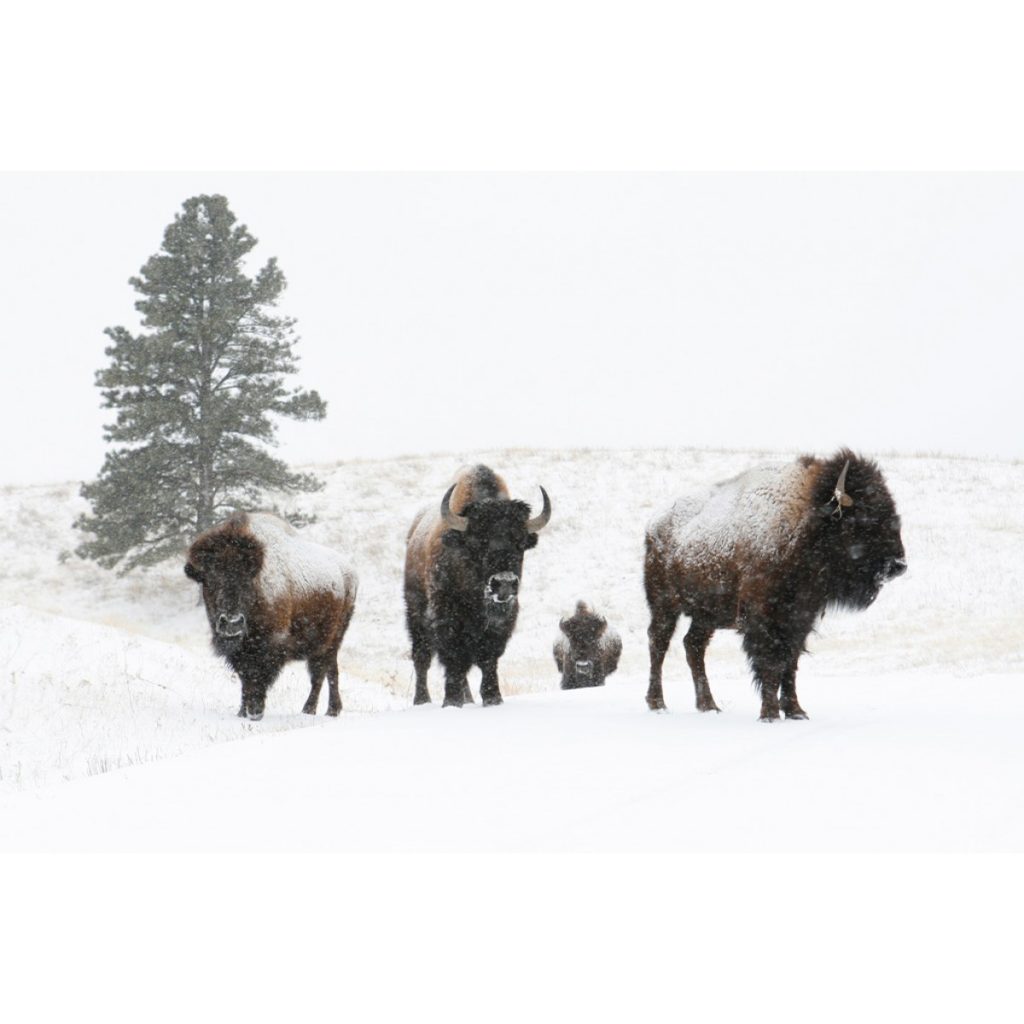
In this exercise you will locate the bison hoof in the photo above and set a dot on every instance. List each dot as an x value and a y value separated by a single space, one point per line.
452 702
656 703
709 706
490 699
255 716
769 716
310 710
421 698
797 715
334 712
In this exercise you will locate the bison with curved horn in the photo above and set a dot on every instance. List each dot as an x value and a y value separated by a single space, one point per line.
464 560
765 554
272 597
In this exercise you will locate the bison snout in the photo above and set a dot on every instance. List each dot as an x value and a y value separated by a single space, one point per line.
584 669
895 567
502 587
230 625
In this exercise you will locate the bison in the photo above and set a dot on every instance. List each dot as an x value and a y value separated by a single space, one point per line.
587 652
464 559
273 597
765 554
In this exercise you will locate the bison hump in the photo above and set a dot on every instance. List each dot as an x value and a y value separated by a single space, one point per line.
294 566
760 511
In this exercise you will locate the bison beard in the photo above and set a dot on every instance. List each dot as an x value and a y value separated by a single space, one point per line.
766 554
463 566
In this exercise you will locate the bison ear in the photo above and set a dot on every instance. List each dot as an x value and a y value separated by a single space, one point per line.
193 573
531 541
453 538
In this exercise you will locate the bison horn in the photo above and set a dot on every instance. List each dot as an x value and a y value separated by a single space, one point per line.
451 520
842 499
537 523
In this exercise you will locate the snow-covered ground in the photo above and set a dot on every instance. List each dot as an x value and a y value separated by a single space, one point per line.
915 704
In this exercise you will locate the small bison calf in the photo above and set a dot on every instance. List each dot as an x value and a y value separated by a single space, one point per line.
587 651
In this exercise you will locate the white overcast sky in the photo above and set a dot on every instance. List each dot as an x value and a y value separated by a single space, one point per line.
457 311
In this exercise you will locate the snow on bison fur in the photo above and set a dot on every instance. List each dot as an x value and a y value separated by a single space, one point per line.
765 554
463 562
587 651
271 597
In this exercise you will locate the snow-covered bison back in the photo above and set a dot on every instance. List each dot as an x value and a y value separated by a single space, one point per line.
272 597
765 553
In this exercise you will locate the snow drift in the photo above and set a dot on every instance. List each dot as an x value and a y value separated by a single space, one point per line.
101 672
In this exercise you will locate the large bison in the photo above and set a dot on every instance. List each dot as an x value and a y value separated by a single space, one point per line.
587 651
464 558
273 597
765 554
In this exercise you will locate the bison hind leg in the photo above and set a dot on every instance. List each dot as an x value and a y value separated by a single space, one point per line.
333 691
422 655
317 670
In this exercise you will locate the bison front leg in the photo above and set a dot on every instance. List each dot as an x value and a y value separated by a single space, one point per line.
257 673
455 684
254 699
490 692
771 657
789 704
696 643
769 696
659 636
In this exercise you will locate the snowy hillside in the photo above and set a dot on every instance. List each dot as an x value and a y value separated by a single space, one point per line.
101 672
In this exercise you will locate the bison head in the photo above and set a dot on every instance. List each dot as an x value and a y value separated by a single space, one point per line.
862 530
584 631
493 534
226 566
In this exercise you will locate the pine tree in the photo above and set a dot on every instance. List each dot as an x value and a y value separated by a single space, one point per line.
193 393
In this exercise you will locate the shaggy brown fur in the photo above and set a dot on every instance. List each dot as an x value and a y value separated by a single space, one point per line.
266 608
462 582
765 554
